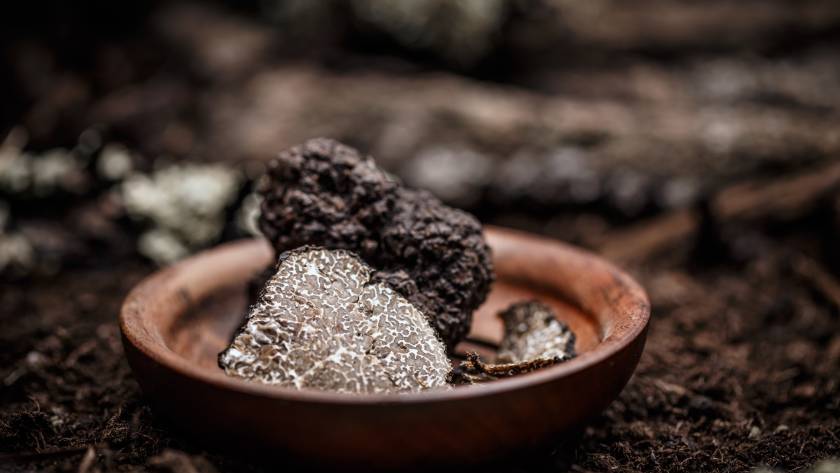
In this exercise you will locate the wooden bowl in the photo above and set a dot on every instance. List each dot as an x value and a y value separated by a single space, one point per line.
176 322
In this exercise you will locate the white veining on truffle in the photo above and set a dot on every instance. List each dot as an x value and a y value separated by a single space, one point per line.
320 324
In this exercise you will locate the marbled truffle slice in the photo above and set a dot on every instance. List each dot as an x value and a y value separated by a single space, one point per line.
532 332
321 323
533 339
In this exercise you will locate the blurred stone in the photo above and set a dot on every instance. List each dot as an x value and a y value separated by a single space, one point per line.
629 191
564 176
114 162
678 193
460 31
248 215
455 176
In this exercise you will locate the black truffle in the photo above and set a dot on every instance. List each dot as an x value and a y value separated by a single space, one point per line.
534 339
320 322
327 194
533 332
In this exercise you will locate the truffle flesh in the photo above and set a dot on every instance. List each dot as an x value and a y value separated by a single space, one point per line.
533 339
327 194
532 332
322 323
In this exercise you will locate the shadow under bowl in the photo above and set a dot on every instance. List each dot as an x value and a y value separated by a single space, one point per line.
176 321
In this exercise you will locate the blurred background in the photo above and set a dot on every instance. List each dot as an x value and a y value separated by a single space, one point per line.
694 142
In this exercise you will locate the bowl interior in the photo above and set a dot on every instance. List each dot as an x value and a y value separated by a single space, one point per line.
205 329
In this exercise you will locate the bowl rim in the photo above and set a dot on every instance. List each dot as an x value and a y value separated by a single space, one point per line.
134 322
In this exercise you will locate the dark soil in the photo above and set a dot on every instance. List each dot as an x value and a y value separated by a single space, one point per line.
742 365
741 369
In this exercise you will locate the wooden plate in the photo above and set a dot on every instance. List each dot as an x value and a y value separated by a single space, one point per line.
176 322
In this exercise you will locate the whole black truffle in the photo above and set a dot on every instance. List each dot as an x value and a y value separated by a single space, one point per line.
327 194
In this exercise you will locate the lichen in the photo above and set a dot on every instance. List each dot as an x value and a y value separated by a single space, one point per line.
115 162
30 174
457 176
322 323
185 206
16 253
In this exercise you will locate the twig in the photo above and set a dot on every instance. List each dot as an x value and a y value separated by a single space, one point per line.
818 277
780 198
87 460
474 370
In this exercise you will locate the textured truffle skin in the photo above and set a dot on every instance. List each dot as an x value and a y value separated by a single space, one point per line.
532 332
328 194
321 323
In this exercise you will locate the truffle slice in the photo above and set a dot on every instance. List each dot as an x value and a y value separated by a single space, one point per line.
533 339
327 194
321 323
532 332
